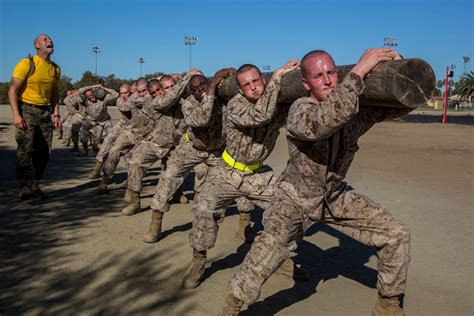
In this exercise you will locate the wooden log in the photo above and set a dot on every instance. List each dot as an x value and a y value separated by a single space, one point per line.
398 83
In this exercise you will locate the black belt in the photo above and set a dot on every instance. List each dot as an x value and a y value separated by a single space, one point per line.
42 107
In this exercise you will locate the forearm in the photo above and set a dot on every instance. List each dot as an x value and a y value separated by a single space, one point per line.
112 92
13 99
170 99
55 101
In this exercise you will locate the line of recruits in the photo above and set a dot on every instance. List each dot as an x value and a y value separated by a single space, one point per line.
226 146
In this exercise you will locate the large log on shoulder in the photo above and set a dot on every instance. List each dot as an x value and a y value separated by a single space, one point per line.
398 83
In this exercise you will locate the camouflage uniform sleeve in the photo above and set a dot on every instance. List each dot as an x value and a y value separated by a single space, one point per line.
111 95
166 101
84 89
310 121
198 114
241 113
125 106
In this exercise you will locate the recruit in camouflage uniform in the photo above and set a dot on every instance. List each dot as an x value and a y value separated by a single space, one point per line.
201 146
124 105
141 124
252 127
98 122
322 140
75 113
158 143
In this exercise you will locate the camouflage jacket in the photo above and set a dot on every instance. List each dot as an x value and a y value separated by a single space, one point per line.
205 120
97 111
164 112
74 106
125 108
252 129
322 141
141 122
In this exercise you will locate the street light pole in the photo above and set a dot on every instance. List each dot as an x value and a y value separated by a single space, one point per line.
190 40
96 50
141 61
466 60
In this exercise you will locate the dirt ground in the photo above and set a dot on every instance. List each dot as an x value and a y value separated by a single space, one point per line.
74 254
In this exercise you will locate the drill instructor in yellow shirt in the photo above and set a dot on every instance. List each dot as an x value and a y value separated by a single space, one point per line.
34 99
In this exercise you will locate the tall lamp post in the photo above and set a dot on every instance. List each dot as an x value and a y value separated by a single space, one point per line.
390 42
141 61
449 74
190 41
466 60
96 50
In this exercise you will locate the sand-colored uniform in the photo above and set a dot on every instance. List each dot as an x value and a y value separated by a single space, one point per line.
322 144
159 142
141 123
202 144
125 109
72 120
252 131
98 122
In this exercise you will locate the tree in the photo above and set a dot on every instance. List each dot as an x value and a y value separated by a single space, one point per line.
88 79
64 84
465 86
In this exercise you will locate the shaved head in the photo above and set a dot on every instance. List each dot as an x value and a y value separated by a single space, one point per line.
309 57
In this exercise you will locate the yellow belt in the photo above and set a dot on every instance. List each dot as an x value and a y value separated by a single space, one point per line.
240 166
187 137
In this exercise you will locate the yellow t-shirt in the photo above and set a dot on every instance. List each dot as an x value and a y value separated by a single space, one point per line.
39 85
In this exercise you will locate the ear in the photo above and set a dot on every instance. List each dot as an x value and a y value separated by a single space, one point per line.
264 81
305 84
241 92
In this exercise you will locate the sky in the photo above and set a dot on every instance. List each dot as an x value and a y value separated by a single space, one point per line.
231 33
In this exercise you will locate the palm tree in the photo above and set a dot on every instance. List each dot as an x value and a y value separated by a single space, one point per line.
465 86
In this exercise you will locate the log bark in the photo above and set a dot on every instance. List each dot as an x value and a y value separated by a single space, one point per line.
406 83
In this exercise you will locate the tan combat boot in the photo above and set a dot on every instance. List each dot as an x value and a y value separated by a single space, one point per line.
67 142
102 188
244 229
289 269
95 174
134 205
193 276
84 151
37 193
154 231
387 306
128 196
25 189
232 306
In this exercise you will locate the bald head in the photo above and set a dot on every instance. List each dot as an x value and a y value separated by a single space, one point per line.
44 45
311 57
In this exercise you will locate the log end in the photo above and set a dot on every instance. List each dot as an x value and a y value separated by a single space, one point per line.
414 83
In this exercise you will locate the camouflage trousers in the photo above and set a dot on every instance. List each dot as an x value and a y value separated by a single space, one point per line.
143 157
370 224
124 143
97 130
182 160
223 185
34 143
71 127
110 139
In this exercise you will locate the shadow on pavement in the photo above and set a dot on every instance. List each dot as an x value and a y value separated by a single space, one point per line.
39 242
